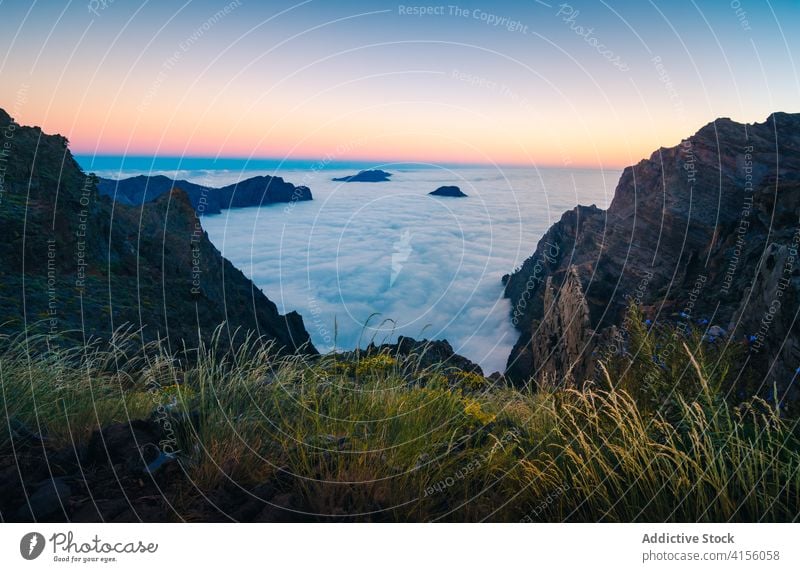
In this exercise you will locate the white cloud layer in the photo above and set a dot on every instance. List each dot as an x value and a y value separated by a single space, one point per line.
334 258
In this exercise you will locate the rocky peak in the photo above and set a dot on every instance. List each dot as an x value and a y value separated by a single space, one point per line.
90 266
717 210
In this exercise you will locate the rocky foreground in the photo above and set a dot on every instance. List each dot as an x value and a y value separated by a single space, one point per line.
703 235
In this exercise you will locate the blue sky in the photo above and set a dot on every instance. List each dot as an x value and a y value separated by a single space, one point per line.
579 83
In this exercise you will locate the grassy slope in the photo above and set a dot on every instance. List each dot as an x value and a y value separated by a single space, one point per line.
384 439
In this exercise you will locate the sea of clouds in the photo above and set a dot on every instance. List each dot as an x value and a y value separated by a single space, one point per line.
371 261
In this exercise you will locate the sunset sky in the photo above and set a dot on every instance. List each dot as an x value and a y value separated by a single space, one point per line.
589 83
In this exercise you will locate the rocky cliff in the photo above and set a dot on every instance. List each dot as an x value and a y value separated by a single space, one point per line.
252 192
76 265
702 234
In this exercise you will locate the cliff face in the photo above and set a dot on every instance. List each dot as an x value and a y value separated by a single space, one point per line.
705 230
79 265
252 192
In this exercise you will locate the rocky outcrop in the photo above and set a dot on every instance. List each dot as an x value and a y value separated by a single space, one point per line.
701 233
121 475
448 191
75 265
252 192
257 191
560 351
372 176
428 353
431 355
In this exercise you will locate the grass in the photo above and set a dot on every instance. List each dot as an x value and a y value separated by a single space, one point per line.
379 437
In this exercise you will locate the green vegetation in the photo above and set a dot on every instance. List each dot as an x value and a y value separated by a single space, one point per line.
380 437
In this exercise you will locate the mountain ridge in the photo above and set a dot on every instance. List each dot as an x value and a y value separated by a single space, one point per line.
78 265
252 192
673 227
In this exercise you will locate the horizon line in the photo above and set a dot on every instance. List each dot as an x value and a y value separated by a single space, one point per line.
117 161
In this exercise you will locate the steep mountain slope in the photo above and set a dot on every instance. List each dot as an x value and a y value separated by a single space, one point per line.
702 234
79 265
252 192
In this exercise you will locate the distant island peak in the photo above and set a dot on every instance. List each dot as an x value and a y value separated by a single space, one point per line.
370 176
448 191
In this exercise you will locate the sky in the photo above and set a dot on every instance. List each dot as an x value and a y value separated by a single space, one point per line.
581 84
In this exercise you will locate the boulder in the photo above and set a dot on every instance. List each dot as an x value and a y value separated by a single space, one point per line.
49 500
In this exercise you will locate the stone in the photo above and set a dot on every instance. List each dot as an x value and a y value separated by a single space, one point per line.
49 499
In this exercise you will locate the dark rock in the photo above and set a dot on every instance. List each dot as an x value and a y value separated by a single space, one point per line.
283 507
99 510
161 461
134 444
700 231
258 191
564 334
447 191
148 267
22 434
122 477
428 353
373 176
49 499
255 502
11 486
252 192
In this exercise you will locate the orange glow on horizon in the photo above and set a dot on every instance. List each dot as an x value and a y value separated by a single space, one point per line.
94 134
385 133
